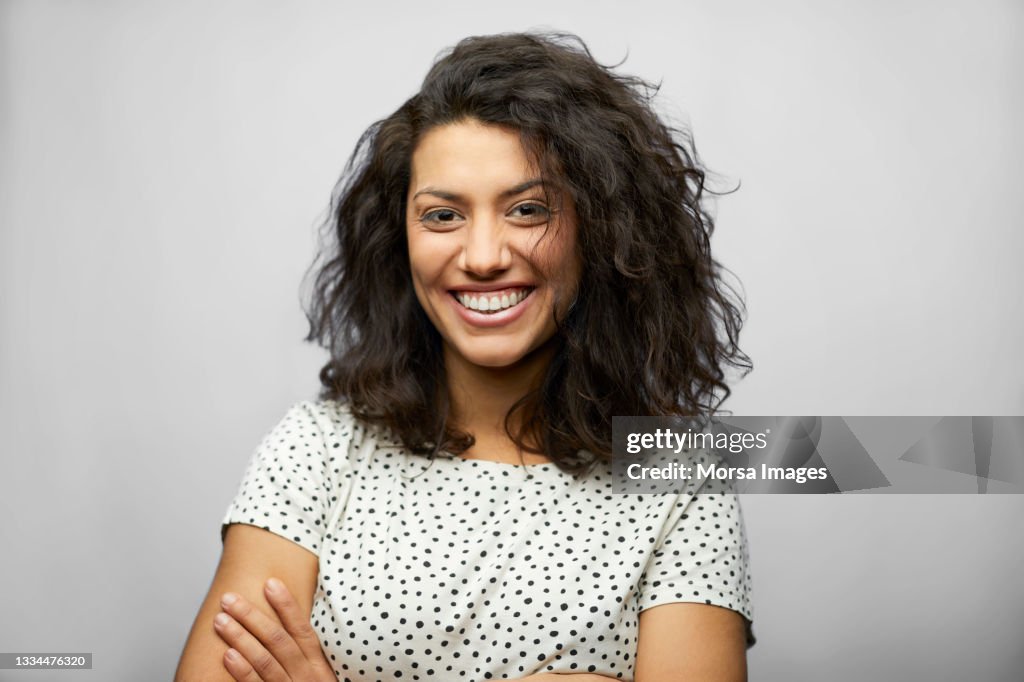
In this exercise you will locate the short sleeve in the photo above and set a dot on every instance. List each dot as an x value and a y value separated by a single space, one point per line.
703 556
287 487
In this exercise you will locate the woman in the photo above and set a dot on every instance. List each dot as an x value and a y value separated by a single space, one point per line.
520 253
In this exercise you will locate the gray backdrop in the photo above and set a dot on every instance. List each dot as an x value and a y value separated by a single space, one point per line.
162 168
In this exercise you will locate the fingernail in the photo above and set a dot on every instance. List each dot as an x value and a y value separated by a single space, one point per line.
274 585
229 599
222 619
232 654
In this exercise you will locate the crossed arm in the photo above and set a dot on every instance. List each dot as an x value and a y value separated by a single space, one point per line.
684 642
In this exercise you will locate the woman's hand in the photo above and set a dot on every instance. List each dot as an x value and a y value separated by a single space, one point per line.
263 651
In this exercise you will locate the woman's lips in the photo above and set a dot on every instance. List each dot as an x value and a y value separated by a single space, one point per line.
496 318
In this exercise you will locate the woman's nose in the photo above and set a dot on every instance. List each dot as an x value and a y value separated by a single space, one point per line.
485 250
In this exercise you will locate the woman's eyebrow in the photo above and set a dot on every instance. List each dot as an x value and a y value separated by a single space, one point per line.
452 196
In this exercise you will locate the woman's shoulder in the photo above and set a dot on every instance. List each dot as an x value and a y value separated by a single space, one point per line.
330 417
337 424
323 410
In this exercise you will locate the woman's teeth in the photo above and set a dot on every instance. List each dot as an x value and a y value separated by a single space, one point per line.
483 303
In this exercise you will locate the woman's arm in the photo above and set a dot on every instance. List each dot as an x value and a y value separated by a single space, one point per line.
683 642
251 555
287 649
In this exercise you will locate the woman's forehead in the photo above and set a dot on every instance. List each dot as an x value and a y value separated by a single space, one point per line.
471 154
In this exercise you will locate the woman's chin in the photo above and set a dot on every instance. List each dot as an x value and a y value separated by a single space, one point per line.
494 355
494 360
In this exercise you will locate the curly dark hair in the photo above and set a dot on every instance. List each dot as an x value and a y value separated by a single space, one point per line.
654 325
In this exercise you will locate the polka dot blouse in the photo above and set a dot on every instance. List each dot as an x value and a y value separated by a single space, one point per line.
462 569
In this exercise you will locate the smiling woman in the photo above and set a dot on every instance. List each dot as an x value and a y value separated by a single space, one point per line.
493 266
517 254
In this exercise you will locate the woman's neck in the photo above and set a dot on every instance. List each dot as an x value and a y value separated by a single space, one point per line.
481 397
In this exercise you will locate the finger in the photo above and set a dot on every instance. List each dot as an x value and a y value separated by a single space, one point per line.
255 654
271 634
294 620
239 668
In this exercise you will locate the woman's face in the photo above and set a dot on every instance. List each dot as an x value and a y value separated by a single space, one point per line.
489 256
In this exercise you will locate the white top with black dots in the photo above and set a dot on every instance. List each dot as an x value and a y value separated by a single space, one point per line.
462 569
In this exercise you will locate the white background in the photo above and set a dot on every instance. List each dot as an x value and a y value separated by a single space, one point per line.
164 165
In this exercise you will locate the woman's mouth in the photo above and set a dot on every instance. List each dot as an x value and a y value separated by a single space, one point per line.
490 302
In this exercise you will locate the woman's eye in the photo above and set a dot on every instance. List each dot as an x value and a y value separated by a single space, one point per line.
441 216
533 214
